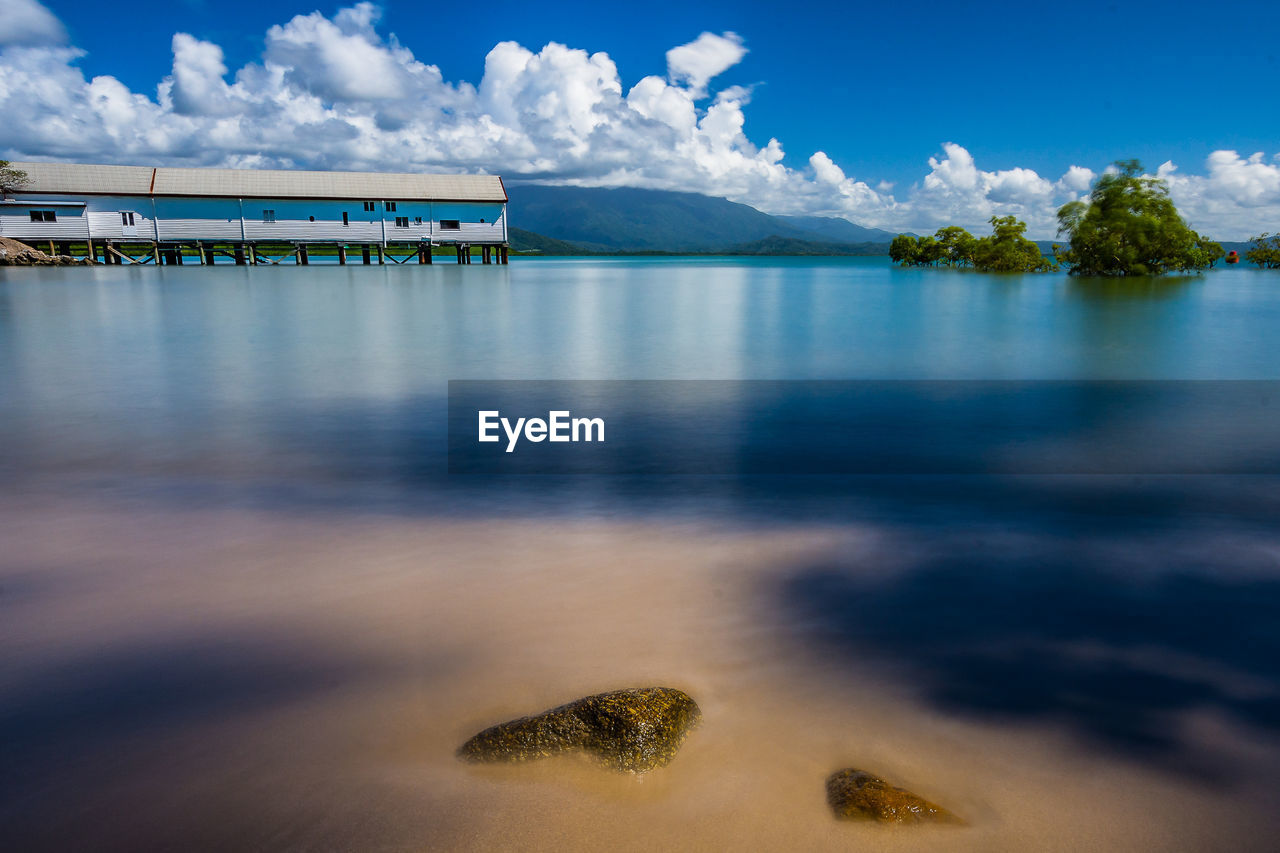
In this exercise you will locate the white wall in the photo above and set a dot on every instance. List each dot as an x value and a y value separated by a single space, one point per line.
180 219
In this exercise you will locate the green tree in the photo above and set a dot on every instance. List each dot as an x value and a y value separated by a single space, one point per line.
928 252
1130 226
1265 252
957 246
10 179
904 249
1008 250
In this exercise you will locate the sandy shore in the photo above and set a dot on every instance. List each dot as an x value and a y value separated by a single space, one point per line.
219 678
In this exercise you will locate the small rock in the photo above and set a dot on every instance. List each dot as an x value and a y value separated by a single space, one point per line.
632 730
858 795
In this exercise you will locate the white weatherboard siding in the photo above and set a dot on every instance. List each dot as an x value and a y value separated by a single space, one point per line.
180 205
15 222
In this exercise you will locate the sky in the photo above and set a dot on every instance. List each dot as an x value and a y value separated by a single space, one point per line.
894 115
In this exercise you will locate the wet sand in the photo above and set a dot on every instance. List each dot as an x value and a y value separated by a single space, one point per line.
212 677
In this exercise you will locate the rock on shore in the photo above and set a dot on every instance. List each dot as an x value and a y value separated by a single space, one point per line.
631 730
16 254
858 795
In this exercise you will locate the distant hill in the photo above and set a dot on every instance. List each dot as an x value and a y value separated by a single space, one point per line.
527 241
638 220
775 245
838 230
538 244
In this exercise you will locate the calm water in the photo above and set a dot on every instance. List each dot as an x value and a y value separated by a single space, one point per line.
243 604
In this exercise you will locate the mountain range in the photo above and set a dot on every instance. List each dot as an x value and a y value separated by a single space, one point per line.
585 220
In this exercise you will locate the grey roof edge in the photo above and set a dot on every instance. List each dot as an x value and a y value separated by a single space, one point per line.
103 179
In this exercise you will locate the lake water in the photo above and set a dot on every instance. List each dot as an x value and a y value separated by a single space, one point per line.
244 605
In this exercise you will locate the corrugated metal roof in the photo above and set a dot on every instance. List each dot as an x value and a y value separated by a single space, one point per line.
255 183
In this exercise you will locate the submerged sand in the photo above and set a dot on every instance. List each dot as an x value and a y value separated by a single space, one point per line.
180 677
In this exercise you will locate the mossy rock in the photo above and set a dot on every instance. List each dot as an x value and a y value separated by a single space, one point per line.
858 795
632 730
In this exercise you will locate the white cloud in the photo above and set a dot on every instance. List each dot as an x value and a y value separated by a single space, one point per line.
1239 197
335 93
26 22
707 56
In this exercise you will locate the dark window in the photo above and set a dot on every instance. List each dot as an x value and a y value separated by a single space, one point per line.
391 206
44 216
368 205
344 218
450 225
268 216
402 222
126 217
417 220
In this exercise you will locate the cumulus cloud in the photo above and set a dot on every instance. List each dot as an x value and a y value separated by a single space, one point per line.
707 56
335 93
27 22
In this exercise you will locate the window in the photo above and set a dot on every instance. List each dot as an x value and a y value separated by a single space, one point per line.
44 216
126 217
402 222
344 218
450 225
268 216
368 205
417 220
390 205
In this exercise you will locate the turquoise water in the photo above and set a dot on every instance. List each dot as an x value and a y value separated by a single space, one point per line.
158 419
115 371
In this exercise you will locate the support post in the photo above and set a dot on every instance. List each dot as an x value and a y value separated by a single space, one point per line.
155 253
457 247
240 259
342 255
381 259
302 254
364 253
253 254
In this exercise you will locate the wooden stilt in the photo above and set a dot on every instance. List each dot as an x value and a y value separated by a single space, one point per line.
364 253
342 255
239 252
302 254
427 248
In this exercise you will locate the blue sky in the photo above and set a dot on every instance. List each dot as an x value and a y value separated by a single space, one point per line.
878 88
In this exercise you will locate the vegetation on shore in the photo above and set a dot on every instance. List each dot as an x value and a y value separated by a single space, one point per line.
1265 252
1130 226
1007 249
10 178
